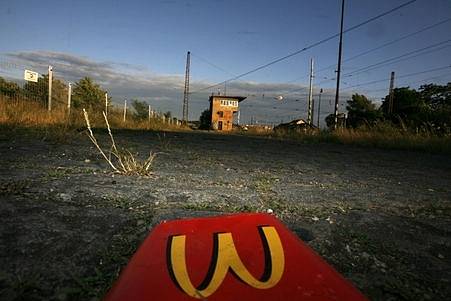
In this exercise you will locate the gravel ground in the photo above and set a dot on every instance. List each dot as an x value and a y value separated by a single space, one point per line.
382 218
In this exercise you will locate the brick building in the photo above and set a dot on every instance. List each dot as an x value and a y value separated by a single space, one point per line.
222 109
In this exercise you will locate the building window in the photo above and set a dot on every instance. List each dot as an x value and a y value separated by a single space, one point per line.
229 103
221 114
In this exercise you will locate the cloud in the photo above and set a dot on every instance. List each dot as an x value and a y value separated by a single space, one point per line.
165 92
121 80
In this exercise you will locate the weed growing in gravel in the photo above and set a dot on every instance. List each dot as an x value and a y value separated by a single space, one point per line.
13 187
165 144
123 162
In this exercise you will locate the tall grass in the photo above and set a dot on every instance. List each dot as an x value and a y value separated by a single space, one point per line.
29 114
383 135
34 115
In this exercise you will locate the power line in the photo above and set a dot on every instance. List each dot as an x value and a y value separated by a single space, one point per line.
308 47
429 78
211 64
388 61
398 40
282 110
411 83
389 43
372 50
398 77
376 48
407 58
372 66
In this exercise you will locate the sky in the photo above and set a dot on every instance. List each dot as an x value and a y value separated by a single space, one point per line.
137 49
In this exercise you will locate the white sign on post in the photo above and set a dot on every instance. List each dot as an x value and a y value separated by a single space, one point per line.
31 76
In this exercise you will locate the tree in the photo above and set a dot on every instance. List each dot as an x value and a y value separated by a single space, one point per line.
407 105
437 99
361 111
436 96
87 94
141 109
9 88
428 108
205 120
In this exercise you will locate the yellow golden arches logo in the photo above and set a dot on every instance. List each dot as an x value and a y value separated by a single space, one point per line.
225 256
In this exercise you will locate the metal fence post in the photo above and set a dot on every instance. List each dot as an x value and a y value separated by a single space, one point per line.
106 103
49 102
69 96
125 109
150 112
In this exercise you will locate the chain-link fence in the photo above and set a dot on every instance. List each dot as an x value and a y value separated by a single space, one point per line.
19 83
40 86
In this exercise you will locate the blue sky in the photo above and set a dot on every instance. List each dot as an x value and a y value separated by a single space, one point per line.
148 41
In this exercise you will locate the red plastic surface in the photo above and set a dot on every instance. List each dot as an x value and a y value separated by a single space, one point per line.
305 275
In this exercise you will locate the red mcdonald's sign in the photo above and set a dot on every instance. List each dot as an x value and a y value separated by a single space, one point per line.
234 257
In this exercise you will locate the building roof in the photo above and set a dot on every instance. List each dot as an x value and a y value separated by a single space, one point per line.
239 98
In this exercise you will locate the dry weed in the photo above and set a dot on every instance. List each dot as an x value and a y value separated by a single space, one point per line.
121 161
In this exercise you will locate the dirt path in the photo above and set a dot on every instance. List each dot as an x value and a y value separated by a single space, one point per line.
382 218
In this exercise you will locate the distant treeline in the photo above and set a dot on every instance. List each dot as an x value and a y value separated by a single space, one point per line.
426 109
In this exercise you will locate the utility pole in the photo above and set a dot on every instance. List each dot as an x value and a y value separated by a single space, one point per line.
69 95
319 106
150 112
310 95
106 103
186 91
390 93
49 103
340 49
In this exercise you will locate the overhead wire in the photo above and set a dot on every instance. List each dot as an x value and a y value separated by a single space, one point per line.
374 49
411 83
370 51
307 47
211 64
406 58
398 77
386 62
429 78
372 66
395 59
388 43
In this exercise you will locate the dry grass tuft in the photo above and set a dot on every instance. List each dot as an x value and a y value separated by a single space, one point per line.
123 162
